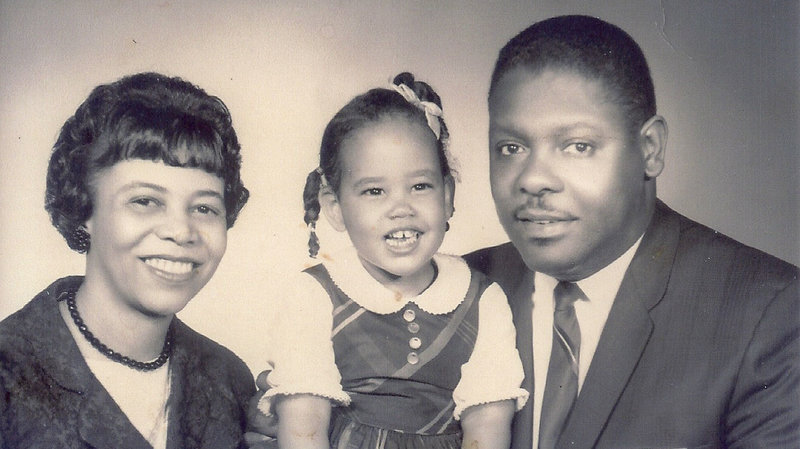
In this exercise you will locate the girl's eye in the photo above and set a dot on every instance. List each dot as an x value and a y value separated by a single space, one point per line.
372 191
510 148
422 186
579 148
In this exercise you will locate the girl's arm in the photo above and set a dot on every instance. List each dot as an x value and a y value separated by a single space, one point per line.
488 425
303 421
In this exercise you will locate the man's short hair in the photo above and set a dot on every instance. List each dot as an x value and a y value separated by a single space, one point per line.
590 47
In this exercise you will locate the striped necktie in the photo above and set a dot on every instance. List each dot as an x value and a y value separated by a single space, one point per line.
561 387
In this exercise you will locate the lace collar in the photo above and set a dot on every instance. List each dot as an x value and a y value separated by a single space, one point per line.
446 292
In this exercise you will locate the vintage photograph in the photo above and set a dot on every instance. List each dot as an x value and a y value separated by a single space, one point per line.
367 224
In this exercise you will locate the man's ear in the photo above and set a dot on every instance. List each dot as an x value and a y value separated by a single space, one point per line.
329 203
653 142
449 195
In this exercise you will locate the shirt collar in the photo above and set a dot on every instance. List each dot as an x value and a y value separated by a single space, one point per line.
446 292
604 284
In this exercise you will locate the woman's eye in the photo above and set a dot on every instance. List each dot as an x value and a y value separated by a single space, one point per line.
206 210
579 148
144 202
510 148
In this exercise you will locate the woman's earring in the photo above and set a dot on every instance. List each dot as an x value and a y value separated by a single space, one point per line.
81 239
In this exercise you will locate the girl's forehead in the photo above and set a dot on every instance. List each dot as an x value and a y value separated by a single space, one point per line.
389 145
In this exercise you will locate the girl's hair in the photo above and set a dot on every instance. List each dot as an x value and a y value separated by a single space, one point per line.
370 107
144 116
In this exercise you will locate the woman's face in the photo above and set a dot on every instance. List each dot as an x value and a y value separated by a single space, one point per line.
157 234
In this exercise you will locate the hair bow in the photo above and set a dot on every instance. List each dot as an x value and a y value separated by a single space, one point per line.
432 111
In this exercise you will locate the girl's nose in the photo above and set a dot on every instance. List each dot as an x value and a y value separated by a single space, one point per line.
401 207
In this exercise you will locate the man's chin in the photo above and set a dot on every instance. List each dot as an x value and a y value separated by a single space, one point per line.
546 256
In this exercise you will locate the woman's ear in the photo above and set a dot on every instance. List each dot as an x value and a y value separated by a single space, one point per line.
87 226
331 208
449 195
653 143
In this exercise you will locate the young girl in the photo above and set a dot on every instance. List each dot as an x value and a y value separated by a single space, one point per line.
404 341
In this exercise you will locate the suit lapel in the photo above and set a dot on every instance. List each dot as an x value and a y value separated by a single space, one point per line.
626 332
521 306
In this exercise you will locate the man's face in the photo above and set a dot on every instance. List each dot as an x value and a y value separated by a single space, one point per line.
572 183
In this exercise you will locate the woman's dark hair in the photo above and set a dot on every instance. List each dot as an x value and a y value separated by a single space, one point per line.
370 107
144 116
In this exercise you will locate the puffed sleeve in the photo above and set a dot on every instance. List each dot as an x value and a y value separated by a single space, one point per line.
303 359
494 370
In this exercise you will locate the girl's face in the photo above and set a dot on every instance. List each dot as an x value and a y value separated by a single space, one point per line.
392 199
157 234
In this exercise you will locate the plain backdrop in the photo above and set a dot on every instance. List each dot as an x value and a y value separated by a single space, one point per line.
726 76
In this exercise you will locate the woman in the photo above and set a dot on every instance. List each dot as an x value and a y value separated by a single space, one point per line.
144 179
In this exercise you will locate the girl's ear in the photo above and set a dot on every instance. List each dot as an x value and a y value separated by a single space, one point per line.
329 204
449 195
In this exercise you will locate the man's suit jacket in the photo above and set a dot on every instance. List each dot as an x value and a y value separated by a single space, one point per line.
701 347
49 397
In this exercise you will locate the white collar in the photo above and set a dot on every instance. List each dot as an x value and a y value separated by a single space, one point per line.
446 292
604 284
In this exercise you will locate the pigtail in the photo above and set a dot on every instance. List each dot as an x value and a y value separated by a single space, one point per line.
311 207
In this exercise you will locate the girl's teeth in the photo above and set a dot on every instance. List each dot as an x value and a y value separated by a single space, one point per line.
169 266
403 234
399 239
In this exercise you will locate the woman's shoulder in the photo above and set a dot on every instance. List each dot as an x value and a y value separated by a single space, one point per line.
202 353
38 316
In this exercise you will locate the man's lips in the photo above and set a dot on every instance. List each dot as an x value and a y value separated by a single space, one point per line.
542 216
542 224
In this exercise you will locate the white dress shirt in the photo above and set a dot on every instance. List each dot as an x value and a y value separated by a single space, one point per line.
600 289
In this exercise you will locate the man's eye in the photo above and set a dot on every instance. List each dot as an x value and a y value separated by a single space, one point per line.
579 148
509 149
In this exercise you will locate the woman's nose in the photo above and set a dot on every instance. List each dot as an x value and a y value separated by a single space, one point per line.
179 228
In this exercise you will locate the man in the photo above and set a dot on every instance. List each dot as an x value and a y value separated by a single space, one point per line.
673 334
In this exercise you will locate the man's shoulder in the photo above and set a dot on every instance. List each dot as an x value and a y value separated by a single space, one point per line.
710 251
502 264
493 258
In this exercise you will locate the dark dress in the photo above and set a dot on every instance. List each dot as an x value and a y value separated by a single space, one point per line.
401 396
49 398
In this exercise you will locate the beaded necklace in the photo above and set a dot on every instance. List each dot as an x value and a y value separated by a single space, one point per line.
166 351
